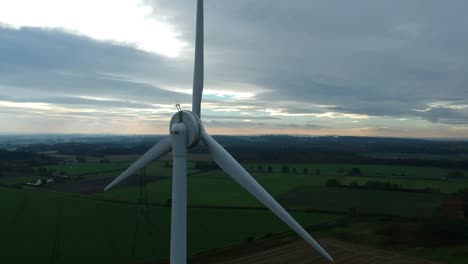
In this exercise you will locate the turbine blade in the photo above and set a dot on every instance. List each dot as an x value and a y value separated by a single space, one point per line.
199 64
157 151
236 171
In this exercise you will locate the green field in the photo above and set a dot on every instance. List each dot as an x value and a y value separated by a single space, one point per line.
217 188
20 180
154 169
48 227
63 228
362 201
299 191
80 169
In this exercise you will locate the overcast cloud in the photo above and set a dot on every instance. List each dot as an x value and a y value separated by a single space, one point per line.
389 68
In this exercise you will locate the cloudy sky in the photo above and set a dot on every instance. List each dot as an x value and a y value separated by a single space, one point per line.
321 67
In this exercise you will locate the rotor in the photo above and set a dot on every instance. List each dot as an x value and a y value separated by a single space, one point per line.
193 123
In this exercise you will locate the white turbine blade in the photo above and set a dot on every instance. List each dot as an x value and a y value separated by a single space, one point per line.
198 71
236 171
158 150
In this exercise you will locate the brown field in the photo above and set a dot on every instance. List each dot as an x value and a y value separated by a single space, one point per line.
96 185
130 157
299 252
133 157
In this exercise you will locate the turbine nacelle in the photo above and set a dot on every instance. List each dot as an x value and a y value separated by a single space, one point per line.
193 123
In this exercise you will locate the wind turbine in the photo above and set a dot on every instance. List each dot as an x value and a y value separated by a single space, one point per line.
186 131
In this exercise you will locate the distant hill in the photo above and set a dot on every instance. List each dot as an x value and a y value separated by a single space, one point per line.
277 148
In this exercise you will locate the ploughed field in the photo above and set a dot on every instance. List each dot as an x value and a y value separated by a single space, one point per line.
299 252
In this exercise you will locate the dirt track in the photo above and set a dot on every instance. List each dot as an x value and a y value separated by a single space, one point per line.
298 252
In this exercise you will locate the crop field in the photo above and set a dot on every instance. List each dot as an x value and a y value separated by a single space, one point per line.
91 168
217 188
45 227
304 192
362 201
97 226
20 180
156 168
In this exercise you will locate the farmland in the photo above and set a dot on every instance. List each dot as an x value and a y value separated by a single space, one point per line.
69 219
75 230
301 191
300 252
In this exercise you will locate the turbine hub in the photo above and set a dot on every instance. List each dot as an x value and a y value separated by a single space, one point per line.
193 123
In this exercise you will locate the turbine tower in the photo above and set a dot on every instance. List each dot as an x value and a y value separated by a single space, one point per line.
186 131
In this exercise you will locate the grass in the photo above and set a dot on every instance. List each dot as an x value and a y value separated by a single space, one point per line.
20 179
71 226
59 228
46 227
154 169
214 188
217 188
363 201
86 168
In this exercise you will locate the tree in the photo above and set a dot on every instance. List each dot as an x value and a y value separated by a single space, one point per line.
285 169
317 171
260 168
270 169
353 211
332 183
51 172
294 170
42 171
355 171
305 171
455 175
